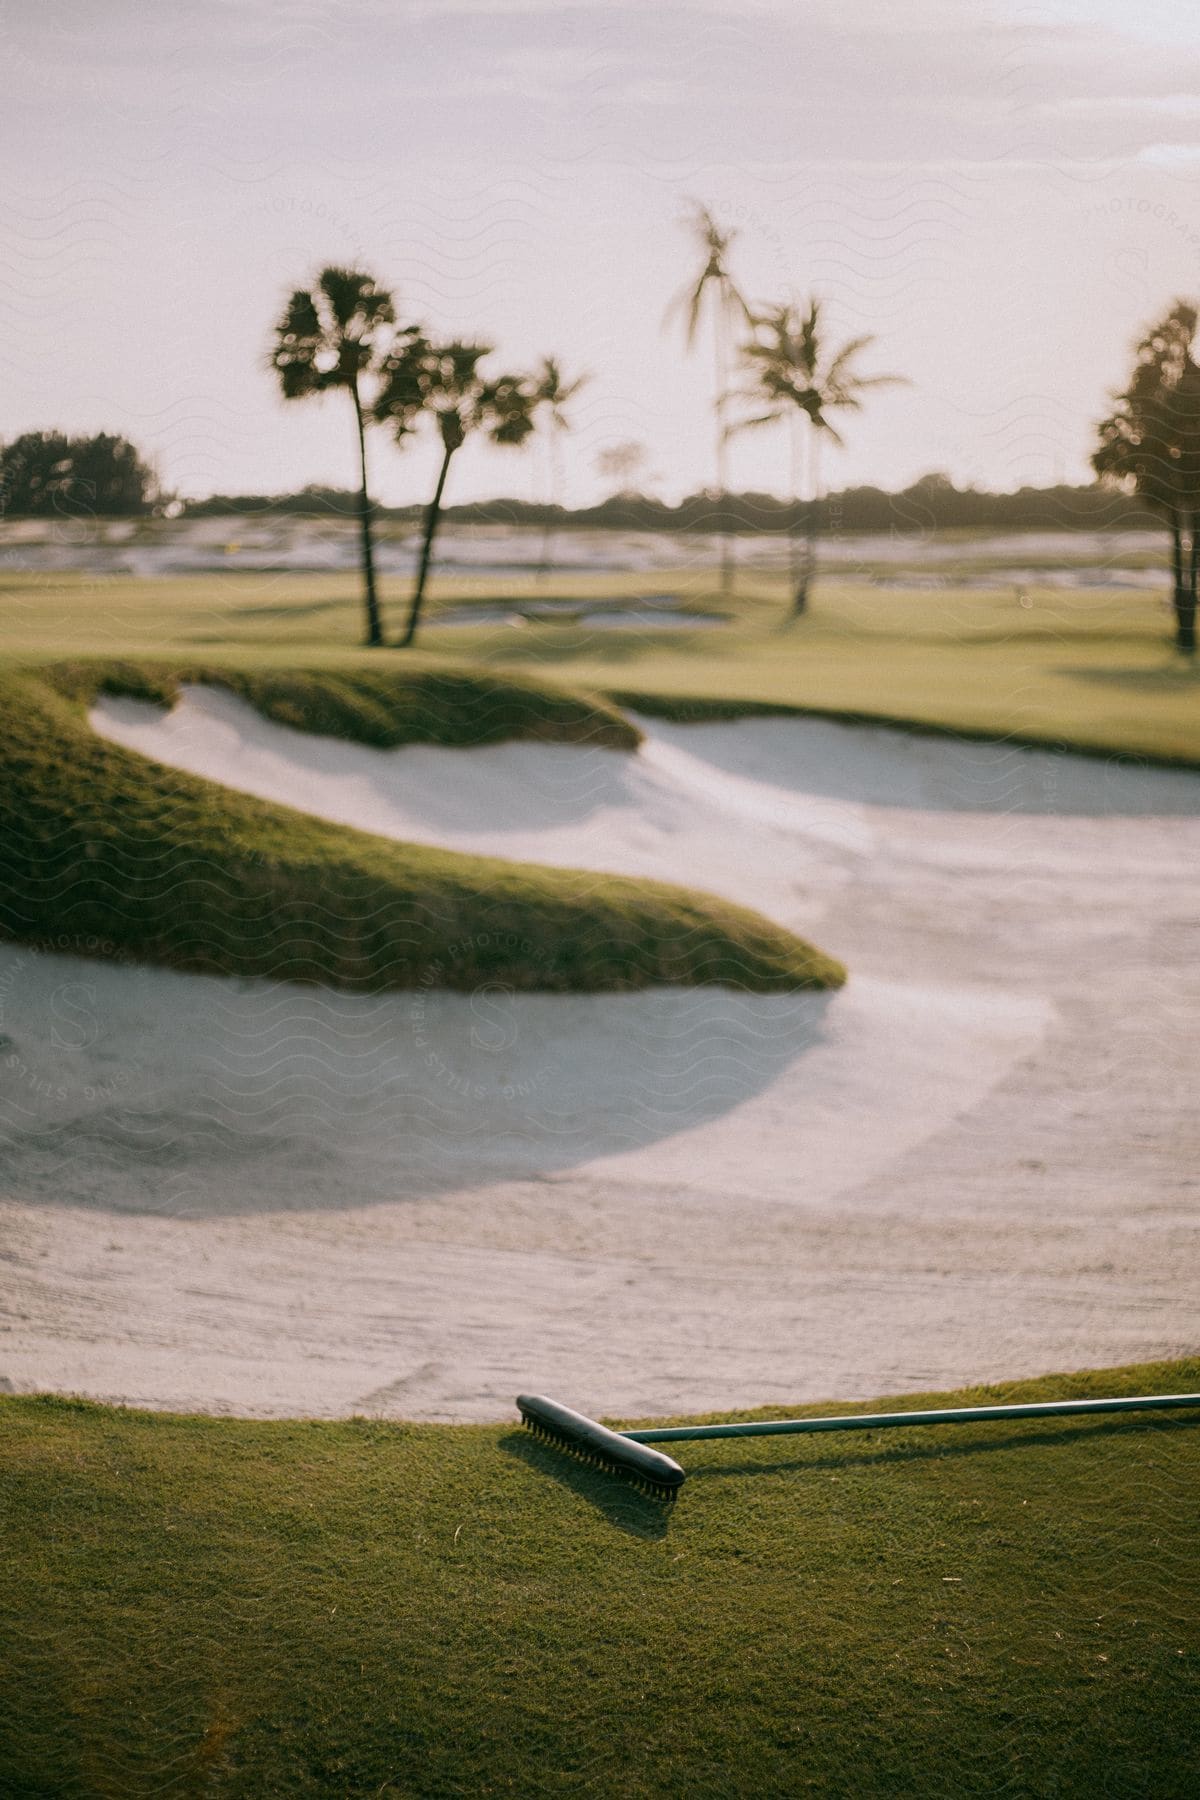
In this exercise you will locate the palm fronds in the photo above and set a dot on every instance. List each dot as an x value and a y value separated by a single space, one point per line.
792 375
332 335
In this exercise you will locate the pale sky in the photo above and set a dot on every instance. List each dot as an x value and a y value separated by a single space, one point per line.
1003 193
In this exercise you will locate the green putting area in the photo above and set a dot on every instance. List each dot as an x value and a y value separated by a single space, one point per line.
222 1606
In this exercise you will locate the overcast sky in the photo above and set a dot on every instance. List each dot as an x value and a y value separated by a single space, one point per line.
1003 193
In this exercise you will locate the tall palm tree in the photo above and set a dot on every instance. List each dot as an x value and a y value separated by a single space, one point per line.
335 335
553 394
715 289
446 380
796 379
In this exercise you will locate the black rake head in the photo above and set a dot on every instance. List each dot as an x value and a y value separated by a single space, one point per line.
649 1471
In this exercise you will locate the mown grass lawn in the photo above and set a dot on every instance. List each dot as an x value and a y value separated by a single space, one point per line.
1091 668
227 1607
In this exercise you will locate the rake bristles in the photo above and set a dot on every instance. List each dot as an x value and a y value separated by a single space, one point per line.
630 1454
649 1471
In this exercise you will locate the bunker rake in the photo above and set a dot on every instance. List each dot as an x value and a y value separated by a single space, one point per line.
630 1454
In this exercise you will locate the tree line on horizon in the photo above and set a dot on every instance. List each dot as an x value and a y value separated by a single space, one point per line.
45 475
931 503
48 475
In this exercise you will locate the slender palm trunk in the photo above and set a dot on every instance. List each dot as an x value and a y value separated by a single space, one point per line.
555 483
374 626
814 509
811 505
1185 633
432 515
722 372
794 524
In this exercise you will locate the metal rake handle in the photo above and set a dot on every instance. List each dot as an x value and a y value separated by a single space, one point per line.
949 1415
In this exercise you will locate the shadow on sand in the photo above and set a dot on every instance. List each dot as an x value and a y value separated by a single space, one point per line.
145 1090
886 767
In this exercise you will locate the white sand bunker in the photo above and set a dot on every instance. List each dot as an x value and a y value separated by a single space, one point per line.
972 1161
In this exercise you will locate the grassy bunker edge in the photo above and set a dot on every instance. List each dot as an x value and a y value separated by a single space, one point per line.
383 708
113 854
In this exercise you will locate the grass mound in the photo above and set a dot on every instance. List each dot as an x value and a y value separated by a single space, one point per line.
233 1607
104 848
380 707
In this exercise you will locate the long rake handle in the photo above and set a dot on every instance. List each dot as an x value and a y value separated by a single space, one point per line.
950 1415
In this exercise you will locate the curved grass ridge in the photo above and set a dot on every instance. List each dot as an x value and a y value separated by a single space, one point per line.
109 853
383 708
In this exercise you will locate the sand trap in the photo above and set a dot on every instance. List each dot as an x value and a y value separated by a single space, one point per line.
650 814
773 769
233 1094
976 1159
658 613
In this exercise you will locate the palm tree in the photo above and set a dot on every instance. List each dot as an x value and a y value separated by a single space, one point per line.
1150 446
446 380
794 377
727 307
554 394
335 335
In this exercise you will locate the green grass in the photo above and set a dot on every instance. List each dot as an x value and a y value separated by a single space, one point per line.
106 850
1088 671
225 1607
1091 669
381 706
